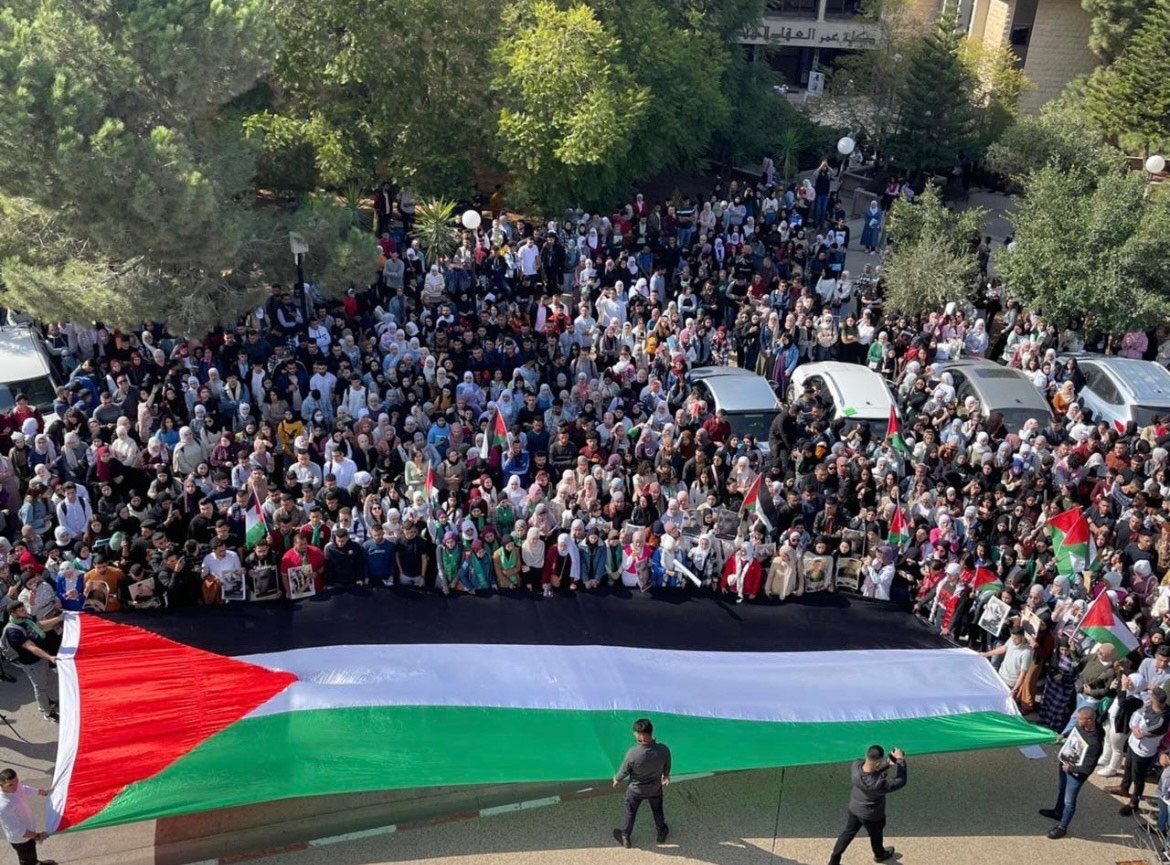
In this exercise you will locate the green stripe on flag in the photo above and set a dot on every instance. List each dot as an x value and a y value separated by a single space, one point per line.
363 749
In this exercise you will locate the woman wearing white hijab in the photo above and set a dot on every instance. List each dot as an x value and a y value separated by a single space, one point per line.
706 562
784 578
508 407
514 493
562 564
532 559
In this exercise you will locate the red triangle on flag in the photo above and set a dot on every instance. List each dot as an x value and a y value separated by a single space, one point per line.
984 577
137 719
752 497
1072 525
1099 614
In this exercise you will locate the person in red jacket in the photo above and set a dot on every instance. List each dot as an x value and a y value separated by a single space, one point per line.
561 566
741 575
303 553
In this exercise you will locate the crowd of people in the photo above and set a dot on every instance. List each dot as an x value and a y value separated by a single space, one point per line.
519 417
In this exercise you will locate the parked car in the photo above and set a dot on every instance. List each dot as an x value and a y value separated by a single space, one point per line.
25 368
856 392
1000 389
749 400
1122 389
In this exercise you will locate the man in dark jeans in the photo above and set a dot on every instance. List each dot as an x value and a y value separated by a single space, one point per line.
647 765
1078 757
867 801
1146 729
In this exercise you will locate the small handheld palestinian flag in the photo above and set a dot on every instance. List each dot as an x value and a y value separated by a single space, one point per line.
894 434
429 487
1102 625
899 531
986 580
255 528
751 504
500 436
1071 543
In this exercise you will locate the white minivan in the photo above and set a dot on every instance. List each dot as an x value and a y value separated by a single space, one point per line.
25 368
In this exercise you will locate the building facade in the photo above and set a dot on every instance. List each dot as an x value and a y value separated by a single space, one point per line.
1050 37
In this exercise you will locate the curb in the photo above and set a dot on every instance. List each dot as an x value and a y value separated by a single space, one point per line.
406 825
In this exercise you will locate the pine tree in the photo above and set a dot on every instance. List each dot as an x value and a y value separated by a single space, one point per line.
935 111
1131 96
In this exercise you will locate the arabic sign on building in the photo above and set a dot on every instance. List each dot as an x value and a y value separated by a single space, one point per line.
850 35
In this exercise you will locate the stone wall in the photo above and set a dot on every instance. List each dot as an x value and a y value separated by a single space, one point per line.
1057 52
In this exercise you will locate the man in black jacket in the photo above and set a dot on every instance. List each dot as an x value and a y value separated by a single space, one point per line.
867 801
1078 756
647 766
345 561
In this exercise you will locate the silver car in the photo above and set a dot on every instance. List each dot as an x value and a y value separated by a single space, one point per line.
1000 389
1123 389
749 400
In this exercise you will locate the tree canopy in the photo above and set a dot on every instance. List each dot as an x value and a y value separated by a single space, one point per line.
1129 98
930 262
1113 23
936 118
126 181
1060 135
1091 242
569 101
424 93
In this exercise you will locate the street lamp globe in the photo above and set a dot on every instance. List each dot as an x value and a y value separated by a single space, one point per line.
1155 164
471 219
846 145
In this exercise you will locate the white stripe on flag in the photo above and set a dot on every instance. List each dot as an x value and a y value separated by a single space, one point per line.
756 686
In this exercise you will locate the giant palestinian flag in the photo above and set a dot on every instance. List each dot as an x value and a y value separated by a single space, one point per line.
217 708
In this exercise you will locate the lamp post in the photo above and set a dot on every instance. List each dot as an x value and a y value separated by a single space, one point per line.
296 243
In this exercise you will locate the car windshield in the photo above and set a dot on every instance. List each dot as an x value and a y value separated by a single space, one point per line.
751 423
40 392
877 428
1145 414
1014 418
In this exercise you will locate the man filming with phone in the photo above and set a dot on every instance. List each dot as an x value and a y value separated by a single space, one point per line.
867 801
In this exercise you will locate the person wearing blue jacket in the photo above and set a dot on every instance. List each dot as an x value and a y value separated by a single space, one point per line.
664 564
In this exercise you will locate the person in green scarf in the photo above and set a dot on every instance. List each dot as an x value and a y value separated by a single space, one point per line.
24 640
450 563
477 569
507 563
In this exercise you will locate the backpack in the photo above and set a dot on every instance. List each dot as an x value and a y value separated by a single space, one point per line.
7 652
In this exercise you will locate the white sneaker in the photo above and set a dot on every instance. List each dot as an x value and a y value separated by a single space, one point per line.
1107 772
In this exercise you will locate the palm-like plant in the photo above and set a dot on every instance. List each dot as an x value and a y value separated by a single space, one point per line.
434 228
352 193
789 145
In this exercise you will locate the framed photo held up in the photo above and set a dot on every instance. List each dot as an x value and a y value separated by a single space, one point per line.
848 574
261 584
301 583
995 616
232 584
818 572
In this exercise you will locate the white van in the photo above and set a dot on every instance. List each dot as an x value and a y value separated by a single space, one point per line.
25 368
